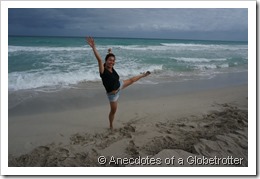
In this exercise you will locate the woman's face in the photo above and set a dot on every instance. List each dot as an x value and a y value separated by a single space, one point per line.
110 62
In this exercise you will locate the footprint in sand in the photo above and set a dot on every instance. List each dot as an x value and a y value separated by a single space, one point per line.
132 149
43 149
63 151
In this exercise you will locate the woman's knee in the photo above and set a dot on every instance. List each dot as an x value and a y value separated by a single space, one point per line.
113 108
132 80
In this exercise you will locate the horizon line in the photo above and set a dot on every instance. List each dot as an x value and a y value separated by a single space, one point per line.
154 38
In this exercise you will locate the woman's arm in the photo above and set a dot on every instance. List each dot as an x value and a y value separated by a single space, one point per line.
91 43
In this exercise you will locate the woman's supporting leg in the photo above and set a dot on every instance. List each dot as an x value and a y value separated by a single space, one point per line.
134 79
113 108
113 105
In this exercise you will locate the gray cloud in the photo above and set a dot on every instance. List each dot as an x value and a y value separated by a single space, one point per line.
158 23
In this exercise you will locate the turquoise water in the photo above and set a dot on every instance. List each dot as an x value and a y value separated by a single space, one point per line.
58 62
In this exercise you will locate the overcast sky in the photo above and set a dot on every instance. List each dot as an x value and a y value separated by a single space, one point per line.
204 24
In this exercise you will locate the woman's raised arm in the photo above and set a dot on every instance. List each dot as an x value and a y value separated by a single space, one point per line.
91 43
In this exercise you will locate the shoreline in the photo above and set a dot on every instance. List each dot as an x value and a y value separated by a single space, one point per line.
84 96
183 117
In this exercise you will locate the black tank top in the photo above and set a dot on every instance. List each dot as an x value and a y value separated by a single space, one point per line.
110 80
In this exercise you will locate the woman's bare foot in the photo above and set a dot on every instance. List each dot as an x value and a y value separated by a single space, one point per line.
146 73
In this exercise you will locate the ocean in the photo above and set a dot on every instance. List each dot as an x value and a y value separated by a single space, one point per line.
54 63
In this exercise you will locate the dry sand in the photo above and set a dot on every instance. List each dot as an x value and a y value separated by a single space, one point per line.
208 123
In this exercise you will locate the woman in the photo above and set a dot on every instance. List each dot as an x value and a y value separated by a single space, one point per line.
110 78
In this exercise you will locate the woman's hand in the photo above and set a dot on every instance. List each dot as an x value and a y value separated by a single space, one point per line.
90 41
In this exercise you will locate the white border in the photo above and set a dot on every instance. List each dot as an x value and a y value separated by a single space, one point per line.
128 4
250 170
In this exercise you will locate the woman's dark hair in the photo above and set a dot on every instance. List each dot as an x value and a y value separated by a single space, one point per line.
109 54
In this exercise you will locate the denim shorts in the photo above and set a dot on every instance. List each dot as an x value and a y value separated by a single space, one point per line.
114 97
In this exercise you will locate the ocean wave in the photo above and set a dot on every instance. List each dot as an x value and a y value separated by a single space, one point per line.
43 49
59 78
133 47
205 46
29 80
210 66
12 49
177 46
161 47
33 67
194 60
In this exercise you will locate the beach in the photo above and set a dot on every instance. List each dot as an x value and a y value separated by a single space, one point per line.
202 121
